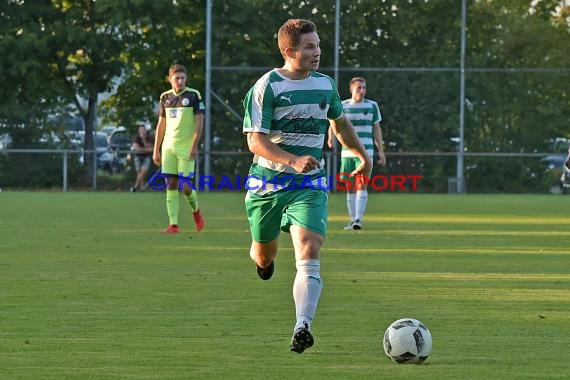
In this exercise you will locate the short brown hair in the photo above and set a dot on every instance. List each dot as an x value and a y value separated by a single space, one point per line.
176 68
357 79
290 32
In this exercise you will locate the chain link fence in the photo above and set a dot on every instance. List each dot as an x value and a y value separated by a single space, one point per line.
62 170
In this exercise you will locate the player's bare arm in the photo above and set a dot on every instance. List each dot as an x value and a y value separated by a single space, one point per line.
344 132
259 144
377 132
199 122
330 139
160 128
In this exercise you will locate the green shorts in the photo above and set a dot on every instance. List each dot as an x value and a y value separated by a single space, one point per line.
273 212
347 166
176 162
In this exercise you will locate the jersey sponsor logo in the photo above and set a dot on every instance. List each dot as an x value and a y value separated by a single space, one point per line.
172 112
307 126
296 115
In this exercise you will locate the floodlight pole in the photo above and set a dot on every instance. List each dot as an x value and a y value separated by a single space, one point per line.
336 40
333 170
207 92
461 148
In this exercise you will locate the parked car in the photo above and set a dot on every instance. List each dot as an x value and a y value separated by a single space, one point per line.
120 143
5 141
108 129
105 158
553 162
554 165
120 140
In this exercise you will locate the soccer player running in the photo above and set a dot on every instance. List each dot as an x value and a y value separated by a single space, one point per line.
178 132
365 116
286 122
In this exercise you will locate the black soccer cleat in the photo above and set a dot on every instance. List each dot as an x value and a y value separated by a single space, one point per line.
302 339
266 273
356 225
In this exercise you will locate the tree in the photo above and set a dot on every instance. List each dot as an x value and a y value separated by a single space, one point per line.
521 106
66 53
78 49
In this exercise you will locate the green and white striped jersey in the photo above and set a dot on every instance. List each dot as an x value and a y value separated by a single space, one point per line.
362 115
294 114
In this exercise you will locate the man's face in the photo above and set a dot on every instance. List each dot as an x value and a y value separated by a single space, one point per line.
178 81
308 53
358 91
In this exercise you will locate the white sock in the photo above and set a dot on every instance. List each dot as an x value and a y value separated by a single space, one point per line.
306 291
351 205
252 255
361 200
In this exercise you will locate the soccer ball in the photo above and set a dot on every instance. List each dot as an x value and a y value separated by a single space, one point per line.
407 340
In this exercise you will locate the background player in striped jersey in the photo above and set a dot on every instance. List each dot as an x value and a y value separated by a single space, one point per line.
178 132
286 120
365 117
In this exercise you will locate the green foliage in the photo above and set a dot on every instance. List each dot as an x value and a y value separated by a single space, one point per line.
38 171
516 111
77 50
63 57
160 33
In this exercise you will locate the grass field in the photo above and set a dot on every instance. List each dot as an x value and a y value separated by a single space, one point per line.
90 290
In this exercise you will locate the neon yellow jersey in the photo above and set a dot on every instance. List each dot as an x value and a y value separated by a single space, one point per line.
179 111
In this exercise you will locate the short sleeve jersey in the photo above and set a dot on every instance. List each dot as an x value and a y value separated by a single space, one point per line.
362 115
179 111
294 114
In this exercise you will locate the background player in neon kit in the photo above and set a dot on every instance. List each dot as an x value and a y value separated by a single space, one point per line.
178 133
286 121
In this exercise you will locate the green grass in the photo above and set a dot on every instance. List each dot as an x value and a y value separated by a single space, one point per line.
90 290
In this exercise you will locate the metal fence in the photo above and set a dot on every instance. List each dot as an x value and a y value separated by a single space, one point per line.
457 108
434 172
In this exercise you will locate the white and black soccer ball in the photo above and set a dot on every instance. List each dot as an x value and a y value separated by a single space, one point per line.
407 340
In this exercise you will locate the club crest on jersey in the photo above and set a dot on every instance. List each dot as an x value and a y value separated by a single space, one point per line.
185 102
323 103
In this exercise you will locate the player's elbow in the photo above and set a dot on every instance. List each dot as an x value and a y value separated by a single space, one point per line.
253 142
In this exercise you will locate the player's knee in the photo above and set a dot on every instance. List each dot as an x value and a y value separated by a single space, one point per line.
309 249
172 183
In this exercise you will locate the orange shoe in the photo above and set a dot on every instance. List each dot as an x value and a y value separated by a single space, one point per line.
171 229
198 221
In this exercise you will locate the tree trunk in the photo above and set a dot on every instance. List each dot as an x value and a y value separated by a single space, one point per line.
90 147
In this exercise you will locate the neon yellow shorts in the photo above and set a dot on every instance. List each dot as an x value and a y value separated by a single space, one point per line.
177 162
271 213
